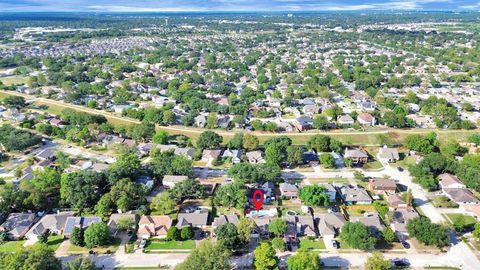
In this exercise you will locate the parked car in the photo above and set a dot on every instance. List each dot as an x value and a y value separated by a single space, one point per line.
400 262
143 243
335 244
400 169
405 244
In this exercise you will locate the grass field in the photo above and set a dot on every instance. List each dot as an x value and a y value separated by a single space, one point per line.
367 138
170 245
312 244
14 80
11 246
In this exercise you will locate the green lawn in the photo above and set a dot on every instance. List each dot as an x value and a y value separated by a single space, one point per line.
469 220
14 80
342 244
11 246
166 245
312 244
374 165
54 242
72 249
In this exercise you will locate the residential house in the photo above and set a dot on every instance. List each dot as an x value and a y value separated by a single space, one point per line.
310 110
17 225
366 119
153 226
355 195
289 191
303 123
448 180
329 225
211 154
461 196
197 219
380 185
79 222
200 121
171 180
394 201
255 157
367 106
234 154
358 156
145 180
185 152
145 148
386 155
261 228
372 221
53 223
224 219
401 216
345 120
114 220
268 189
331 192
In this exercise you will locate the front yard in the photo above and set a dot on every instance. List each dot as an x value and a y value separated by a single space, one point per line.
469 220
11 246
163 245
72 249
312 244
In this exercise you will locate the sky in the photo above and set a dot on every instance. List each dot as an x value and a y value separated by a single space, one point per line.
231 5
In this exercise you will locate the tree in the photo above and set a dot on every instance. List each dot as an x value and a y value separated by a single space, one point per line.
187 233
427 232
388 234
43 238
294 155
278 227
423 144
271 126
358 175
236 142
127 165
38 257
124 195
250 142
125 224
409 197
468 171
377 262
207 256
314 195
459 223
327 160
321 122
81 264
227 236
357 235
173 233
254 173
161 137
278 243
82 189
188 189
163 203
256 125
273 155
231 195
14 102
43 189
265 257
476 231
167 163
245 228
320 143
76 238
381 207
208 140
97 234
303 260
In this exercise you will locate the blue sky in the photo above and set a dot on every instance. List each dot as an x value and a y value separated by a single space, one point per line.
232 5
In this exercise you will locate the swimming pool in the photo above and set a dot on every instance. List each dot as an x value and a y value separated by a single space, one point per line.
271 213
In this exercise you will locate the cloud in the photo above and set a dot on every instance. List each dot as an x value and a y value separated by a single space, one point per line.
228 5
